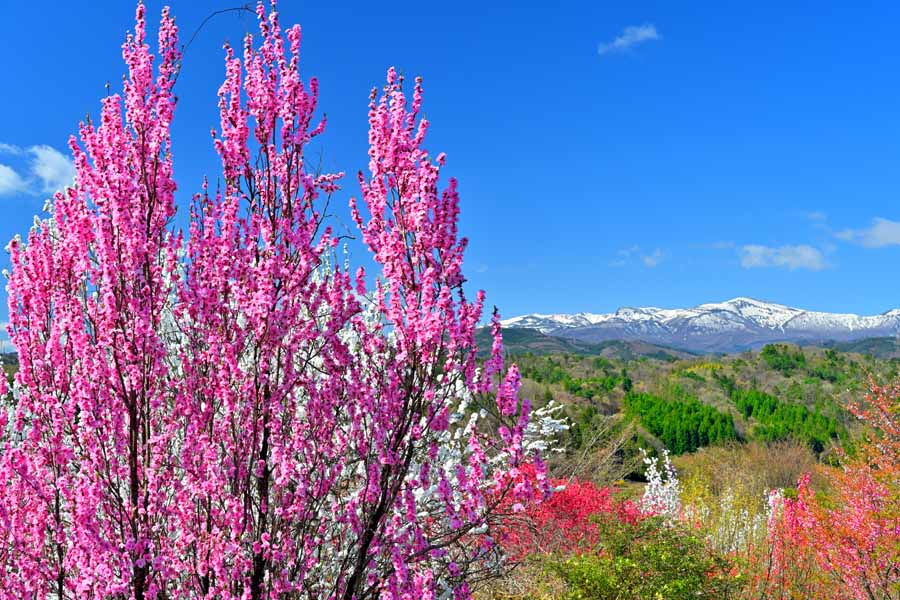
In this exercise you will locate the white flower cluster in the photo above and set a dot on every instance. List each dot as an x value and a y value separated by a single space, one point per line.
774 506
662 494
732 524
542 433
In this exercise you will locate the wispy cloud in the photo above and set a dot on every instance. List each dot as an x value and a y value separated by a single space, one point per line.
819 220
48 170
11 182
10 149
652 260
624 255
52 167
787 257
722 245
630 36
634 253
882 232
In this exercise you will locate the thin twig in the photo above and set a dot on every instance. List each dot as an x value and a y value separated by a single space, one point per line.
184 48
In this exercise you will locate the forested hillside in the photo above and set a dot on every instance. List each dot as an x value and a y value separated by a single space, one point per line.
780 393
521 340
771 455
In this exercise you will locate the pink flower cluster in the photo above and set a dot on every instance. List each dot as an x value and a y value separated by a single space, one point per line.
848 545
227 413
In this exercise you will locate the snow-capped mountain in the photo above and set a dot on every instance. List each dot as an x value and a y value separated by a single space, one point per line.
717 327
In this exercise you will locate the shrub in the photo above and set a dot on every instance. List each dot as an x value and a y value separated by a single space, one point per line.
647 559
566 522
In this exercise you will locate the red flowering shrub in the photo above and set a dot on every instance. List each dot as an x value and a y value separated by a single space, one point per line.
566 522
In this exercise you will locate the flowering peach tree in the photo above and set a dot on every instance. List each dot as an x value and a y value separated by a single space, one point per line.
227 412
857 539
847 545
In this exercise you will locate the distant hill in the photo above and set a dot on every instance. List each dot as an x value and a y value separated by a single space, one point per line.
879 347
520 340
781 392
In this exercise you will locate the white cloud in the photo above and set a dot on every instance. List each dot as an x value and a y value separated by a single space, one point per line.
630 36
52 167
652 260
788 257
624 255
11 182
10 149
48 170
882 232
819 220
633 253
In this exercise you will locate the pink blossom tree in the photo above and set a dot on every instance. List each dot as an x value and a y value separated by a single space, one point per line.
856 539
227 412
845 545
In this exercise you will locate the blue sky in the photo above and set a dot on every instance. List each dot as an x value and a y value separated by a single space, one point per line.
609 154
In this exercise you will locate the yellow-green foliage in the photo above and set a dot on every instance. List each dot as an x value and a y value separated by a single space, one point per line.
698 367
725 489
648 560
732 520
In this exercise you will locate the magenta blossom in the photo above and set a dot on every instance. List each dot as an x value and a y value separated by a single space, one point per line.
225 412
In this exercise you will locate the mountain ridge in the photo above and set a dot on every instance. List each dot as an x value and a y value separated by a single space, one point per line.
737 324
521 340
